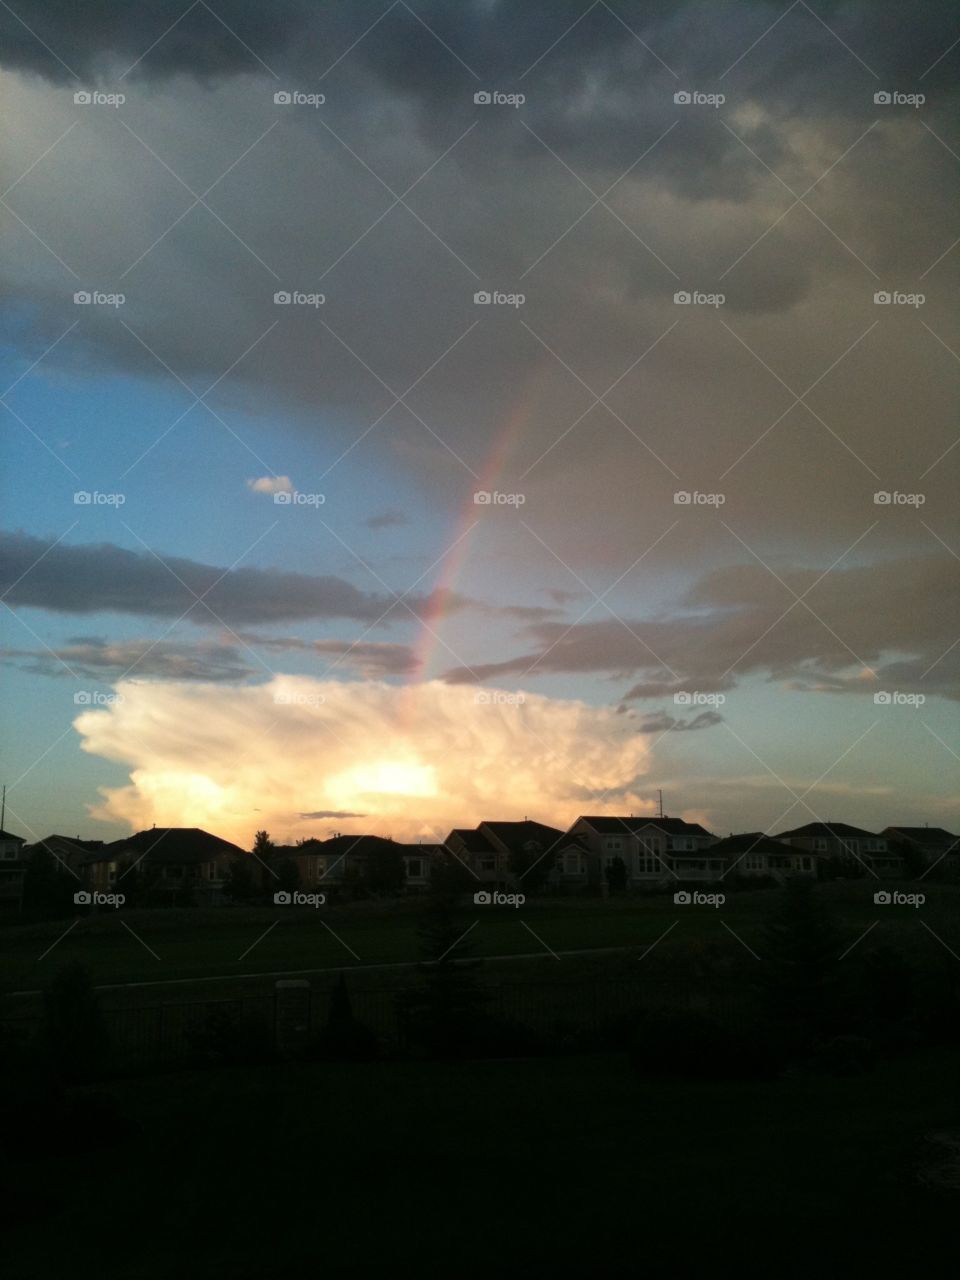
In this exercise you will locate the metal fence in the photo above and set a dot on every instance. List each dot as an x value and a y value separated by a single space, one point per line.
167 1032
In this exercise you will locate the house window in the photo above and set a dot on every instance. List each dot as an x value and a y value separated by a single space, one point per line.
754 862
683 843
415 868
9 854
806 864
488 864
571 864
820 845
648 863
319 868
614 844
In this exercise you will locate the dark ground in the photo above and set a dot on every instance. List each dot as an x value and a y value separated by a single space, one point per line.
543 1167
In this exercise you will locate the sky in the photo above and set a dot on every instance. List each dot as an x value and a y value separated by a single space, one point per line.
421 413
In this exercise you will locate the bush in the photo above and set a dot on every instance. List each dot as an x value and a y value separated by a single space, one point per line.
72 1041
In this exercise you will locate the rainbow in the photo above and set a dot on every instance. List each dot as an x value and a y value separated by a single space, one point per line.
502 450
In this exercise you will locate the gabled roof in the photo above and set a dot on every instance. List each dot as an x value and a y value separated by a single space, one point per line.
8 835
474 841
827 830
172 845
617 826
750 842
922 835
515 835
70 844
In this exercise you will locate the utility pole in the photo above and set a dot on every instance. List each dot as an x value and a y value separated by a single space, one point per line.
660 794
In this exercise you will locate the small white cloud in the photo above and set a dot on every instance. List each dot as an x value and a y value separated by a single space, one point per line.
271 484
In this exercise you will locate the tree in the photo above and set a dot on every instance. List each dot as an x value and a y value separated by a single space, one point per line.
385 871
48 887
263 846
799 977
239 884
343 1036
532 865
616 874
445 1014
288 876
72 1039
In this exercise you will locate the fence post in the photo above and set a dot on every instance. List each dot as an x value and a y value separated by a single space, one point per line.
291 1015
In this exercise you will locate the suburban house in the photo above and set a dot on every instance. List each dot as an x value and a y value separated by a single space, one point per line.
755 856
372 862
932 846
850 848
69 853
13 865
501 853
654 851
177 863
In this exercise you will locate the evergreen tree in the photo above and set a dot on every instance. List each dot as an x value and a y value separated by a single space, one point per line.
445 1014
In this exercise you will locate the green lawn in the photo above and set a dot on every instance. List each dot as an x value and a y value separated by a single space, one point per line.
175 944
537 1167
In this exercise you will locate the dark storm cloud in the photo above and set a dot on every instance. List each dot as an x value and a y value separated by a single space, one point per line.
664 723
888 627
387 520
97 578
93 658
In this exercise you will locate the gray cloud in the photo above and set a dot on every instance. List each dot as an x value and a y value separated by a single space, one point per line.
93 658
862 629
97 578
386 520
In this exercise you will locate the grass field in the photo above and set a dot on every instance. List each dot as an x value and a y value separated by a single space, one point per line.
165 945
527 1167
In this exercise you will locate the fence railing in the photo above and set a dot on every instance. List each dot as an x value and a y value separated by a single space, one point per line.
165 1032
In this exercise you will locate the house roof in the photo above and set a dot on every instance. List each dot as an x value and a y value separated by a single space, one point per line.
8 835
474 841
923 835
670 826
171 845
70 844
836 830
750 842
515 835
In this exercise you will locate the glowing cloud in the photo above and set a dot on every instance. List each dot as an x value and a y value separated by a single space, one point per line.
415 760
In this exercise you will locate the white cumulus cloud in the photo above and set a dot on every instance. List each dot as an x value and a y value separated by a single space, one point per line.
415 760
